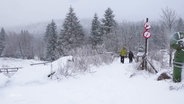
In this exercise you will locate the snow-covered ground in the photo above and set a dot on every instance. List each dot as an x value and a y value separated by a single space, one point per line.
107 84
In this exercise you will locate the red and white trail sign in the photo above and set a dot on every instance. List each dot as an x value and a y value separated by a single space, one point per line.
146 32
147 26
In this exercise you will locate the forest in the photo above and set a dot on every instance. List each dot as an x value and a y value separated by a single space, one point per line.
105 35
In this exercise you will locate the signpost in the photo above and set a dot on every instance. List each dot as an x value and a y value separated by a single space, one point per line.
146 35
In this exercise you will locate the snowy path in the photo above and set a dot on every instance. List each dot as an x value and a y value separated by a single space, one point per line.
109 85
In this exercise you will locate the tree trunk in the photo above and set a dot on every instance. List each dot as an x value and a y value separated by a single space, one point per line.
170 57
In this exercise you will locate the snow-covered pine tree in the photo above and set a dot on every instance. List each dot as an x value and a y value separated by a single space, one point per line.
51 41
109 30
71 35
108 22
96 34
2 40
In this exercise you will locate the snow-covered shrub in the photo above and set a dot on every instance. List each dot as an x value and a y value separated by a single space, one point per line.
82 58
160 56
90 56
67 69
63 67
80 64
157 60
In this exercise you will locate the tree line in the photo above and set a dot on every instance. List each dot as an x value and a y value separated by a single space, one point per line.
106 35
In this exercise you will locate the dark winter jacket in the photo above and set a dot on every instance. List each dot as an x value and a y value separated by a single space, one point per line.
130 55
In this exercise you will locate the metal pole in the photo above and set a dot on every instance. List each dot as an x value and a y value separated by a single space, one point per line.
51 70
146 49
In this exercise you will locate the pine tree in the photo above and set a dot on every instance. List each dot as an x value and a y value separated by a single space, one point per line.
71 35
109 30
96 34
108 21
2 40
51 41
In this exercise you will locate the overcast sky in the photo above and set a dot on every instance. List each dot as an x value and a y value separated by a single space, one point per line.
18 12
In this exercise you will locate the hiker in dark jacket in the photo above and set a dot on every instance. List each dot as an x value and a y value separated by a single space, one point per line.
130 56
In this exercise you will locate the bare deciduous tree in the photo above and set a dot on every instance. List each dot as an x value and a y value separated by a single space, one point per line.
25 45
39 48
168 20
180 25
11 45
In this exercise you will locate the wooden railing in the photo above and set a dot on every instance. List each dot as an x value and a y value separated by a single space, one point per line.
9 70
39 63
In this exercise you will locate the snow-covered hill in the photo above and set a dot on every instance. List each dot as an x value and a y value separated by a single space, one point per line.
107 84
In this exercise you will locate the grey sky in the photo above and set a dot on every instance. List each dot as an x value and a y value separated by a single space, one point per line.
17 12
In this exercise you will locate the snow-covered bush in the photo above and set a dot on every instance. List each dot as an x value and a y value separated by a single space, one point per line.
81 60
95 56
160 56
67 69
